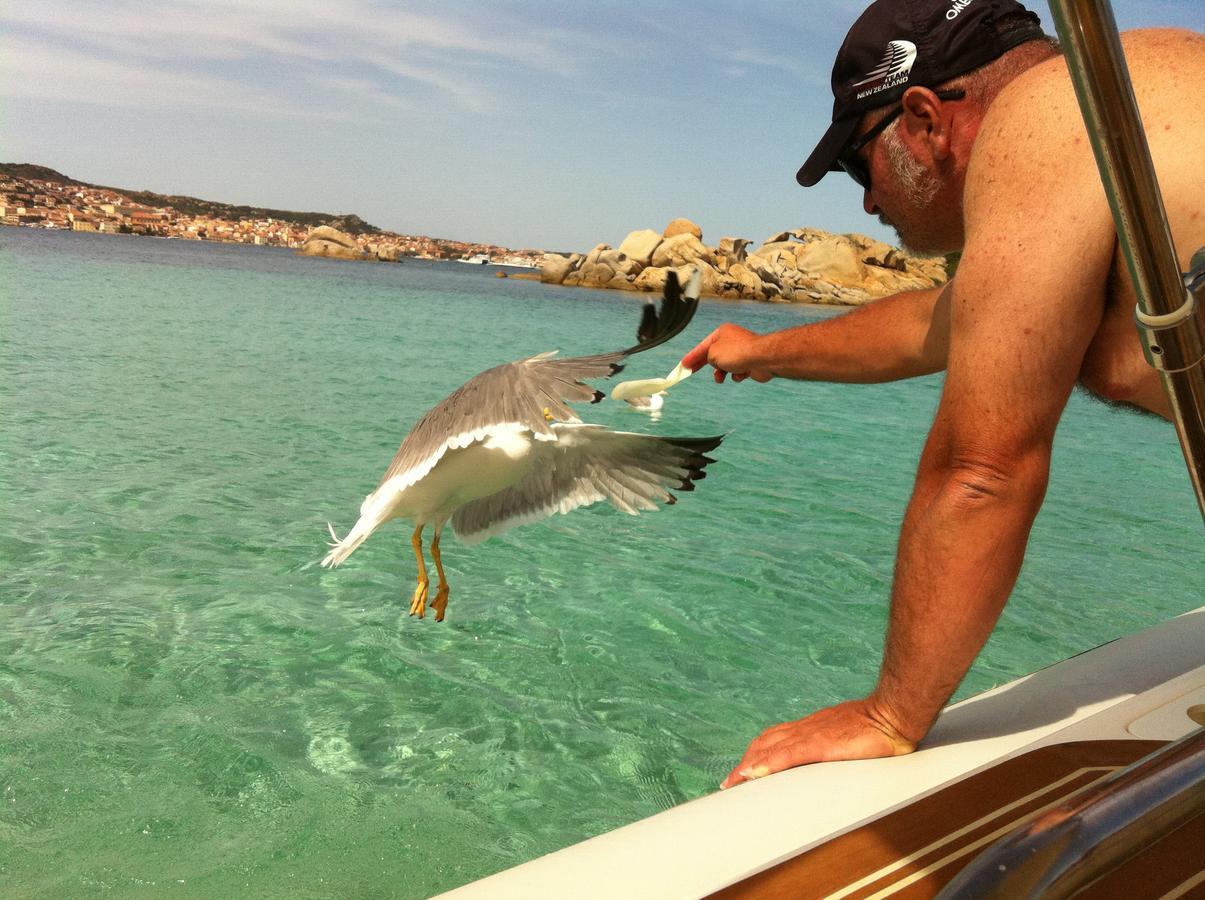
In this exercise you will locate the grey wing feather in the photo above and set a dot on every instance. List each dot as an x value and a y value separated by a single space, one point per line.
586 464
515 393
519 392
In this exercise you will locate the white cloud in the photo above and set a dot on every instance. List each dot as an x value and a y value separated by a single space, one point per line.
754 57
49 73
223 48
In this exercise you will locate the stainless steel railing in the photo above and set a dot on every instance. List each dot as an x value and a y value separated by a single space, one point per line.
1170 317
1068 848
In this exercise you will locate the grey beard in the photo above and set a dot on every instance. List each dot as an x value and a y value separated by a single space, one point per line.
920 185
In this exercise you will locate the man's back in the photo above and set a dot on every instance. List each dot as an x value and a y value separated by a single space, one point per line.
1167 68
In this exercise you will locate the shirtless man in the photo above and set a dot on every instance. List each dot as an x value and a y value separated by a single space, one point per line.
985 152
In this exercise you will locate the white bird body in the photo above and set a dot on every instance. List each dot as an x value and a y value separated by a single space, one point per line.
461 476
493 455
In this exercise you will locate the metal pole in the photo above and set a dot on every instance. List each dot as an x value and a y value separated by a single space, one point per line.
1171 318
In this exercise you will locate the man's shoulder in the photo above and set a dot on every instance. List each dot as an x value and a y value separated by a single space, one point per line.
1032 166
1035 106
1044 93
1159 38
1150 52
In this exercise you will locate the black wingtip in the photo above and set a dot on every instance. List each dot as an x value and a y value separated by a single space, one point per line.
695 459
677 309
648 323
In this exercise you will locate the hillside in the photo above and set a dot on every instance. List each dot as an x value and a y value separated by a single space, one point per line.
193 206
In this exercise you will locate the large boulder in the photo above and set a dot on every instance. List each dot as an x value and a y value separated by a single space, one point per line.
332 235
715 282
327 241
595 274
765 270
749 282
780 254
682 226
651 279
554 267
682 249
835 258
733 249
592 255
639 245
620 262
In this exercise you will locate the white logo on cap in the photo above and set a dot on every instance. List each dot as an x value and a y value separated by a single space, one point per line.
894 68
956 7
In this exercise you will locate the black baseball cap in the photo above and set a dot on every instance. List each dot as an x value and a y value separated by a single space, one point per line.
898 44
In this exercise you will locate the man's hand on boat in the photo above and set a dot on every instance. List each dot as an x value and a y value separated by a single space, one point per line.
856 729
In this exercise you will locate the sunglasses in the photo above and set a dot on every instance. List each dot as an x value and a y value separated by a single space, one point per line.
859 169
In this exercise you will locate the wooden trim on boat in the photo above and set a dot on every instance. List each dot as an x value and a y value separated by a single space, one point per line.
916 850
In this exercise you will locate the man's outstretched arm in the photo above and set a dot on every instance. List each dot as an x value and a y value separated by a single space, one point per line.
891 338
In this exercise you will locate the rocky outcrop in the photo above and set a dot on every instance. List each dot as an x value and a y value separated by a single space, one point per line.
805 265
327 241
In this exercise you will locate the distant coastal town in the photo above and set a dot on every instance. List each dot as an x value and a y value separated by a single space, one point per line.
43 198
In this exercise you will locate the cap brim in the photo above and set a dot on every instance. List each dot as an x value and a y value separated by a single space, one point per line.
824 158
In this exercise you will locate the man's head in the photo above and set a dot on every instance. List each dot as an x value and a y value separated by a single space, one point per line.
910 83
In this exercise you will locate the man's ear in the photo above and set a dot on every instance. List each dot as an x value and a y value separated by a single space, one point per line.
926 122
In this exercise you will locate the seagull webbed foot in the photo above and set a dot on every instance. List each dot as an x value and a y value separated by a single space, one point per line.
418 606
440 603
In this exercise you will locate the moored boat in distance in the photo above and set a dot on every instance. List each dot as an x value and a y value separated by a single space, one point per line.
477 259
517 262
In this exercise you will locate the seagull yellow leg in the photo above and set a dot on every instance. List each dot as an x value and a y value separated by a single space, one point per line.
440 603
418 606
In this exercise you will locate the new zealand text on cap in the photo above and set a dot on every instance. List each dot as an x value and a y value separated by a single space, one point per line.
898 44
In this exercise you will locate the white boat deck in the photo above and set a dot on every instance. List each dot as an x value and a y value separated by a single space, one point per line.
1140 686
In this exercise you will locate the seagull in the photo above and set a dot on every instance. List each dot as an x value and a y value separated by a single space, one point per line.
505 450
651 404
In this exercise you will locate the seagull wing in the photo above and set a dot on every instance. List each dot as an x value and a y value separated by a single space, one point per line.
517 394
586 464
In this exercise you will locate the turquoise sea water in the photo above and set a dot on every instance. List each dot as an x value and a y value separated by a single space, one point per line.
190 706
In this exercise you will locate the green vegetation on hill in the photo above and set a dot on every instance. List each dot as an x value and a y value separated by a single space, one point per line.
192 206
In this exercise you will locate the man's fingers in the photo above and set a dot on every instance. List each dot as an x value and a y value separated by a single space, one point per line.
776 759
726 346
741 774
697 358
756 763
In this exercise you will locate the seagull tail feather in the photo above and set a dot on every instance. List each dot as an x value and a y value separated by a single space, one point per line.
371 518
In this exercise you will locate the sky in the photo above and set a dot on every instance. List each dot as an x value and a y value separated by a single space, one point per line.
546 125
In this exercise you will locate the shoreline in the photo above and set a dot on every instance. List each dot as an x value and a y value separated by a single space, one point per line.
522 273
